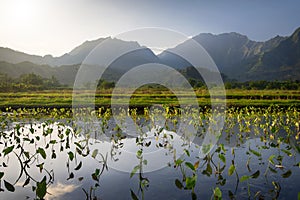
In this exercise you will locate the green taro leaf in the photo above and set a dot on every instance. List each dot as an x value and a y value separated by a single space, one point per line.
41 188
190 165
231 170
178 184
194 196
287 152
78 145
145 162
133 195
256 174
95 177
276 185
272 170
255 152
135 169
139 153
230 194
80 178
71 176
271 159
218 193
42 152
9 186
8 150
286 174
71 155
52 142
78 166
206 148
53 155
245 178
222 158
223 147
41 167
208 170
97 172
1 175
187 152
95 152
178 162
26 182
297 148
191 182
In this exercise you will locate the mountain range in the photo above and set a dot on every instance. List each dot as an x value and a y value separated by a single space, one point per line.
236 56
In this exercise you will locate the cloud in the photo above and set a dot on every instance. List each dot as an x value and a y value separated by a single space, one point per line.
58 190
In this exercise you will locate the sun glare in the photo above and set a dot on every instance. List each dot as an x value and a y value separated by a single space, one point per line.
20 11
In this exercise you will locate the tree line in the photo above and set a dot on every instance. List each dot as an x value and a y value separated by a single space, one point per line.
264 85
27 82
34 82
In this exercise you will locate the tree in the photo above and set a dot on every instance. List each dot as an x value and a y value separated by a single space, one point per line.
103 84
52 82
31 79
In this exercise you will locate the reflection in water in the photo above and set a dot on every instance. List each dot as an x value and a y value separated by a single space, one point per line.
247 163
58 190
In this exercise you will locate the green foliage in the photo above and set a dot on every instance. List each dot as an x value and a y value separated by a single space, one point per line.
135 169
191 182
178 184
1 175
78 166
217 193
244 178
7 150
222 158
231 170
104 84
146 98
27 82
133 195
9 186
190 165
71 155
264 85
256 153
42 152
41 188
256 174
268 120
287 174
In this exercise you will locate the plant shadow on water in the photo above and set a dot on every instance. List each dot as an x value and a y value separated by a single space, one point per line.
257 157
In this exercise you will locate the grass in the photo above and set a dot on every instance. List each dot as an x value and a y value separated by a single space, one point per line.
58 98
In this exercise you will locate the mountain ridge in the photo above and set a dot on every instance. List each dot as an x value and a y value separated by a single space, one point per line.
235 55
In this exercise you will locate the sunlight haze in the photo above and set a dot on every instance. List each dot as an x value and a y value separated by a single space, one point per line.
57 26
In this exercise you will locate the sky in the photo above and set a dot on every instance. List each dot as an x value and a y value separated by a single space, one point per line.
55 27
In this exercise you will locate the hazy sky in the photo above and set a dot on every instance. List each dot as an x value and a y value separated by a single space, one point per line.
57 26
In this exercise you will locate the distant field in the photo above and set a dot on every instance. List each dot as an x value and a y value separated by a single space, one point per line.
63 98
